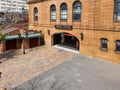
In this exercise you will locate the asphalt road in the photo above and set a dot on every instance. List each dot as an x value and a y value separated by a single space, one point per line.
79 73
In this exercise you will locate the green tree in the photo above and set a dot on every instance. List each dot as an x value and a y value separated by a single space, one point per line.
2 37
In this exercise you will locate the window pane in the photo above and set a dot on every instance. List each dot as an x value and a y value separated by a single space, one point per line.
76 16
53 13
104 43
117 45
117 10
63 6
35 14
118 16
77 7
53 17
63 11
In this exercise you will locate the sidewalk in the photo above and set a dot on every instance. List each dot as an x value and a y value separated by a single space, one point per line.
79 73
20 68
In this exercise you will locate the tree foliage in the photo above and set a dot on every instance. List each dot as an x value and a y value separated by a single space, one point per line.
2 37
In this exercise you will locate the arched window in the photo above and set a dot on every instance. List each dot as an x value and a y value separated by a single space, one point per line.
35 14
53 13
77 11
117 10
63 13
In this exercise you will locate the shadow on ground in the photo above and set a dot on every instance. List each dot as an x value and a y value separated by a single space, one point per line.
8 55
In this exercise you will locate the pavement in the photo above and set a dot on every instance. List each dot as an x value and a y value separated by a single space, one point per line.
79 73
17 68
48 68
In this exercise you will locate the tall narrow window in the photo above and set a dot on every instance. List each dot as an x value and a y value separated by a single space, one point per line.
118 45
35 14
53 13
104 44
77 11
64 12
116 10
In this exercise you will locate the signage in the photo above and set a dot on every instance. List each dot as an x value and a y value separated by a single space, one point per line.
67 27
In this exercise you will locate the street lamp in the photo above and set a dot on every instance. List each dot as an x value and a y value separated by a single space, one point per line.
24 37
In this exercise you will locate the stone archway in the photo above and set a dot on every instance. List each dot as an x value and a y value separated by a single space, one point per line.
66 40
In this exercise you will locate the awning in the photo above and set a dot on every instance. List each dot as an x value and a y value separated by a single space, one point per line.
11 37
33 35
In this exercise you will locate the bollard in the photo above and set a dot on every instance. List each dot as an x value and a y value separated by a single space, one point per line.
0 62
0 74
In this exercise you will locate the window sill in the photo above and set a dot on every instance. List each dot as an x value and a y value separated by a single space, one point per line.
63 20
52 20
104 49
76 20
116 21
118 52
35 22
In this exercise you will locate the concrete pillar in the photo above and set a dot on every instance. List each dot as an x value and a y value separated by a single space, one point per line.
63 37
39 41
77 44
3 46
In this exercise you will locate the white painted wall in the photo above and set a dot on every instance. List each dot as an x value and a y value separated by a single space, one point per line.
13 5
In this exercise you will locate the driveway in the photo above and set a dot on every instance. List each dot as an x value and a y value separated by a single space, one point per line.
78 73
17 68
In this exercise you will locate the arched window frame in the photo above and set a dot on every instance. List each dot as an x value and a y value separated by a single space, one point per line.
35 14
63 12
116 10
77 11
53 12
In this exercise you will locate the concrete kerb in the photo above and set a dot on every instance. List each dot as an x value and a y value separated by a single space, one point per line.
66 49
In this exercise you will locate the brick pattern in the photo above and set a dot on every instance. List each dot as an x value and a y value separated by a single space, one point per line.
17 69
97 22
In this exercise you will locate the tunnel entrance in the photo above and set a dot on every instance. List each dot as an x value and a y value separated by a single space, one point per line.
66 40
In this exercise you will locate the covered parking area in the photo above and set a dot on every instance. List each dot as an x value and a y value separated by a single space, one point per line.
66 40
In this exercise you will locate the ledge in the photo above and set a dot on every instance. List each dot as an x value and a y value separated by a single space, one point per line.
118 52
103 49
34 1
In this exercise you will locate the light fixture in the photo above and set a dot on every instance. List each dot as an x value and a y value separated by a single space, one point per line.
81 36
48 32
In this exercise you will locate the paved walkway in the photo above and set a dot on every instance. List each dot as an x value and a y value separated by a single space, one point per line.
79 73
17 69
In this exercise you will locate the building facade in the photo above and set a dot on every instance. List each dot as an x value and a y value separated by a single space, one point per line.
92 25
13 5
19 37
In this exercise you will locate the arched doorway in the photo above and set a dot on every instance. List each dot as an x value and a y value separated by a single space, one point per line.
66 40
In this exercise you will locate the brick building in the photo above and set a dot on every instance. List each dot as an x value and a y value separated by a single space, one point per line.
19 37
91 26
